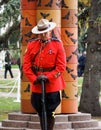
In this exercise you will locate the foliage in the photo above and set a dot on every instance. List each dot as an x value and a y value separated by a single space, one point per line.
9 23
10 12
98 20
83 25
99 1
83 17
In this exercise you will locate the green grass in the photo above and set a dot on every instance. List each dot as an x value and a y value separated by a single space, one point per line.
7 85
6 82
8 90
80 85
8 105
14 66
80 79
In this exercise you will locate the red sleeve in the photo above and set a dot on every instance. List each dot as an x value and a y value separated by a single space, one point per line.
27 64
60 63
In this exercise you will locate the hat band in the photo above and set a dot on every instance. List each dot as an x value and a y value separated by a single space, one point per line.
42 29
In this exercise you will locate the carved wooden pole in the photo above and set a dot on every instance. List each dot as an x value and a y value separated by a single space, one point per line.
28 20
64 13
49 9
69 38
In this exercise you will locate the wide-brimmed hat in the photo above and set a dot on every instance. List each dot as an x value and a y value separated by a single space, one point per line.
43 26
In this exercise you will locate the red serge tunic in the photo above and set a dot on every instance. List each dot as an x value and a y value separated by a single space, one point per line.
52 55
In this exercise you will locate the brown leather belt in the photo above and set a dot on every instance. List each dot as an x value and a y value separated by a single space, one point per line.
40 69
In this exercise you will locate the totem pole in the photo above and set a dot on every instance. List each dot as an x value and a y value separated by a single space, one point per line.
28 20
69 38
64 13
50 10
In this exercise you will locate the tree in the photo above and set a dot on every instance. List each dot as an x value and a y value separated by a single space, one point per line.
83 16
9 21
89 101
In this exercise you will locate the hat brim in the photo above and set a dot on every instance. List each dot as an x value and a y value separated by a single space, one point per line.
51 27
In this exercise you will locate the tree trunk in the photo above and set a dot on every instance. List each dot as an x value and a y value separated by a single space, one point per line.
10 31
89 101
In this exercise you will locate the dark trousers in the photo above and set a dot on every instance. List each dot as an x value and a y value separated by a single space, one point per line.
8 68
52 101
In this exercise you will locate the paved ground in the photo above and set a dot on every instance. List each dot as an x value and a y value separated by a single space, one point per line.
14 71
100 123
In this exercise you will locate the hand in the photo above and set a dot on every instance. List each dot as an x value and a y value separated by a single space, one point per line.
36 82
40 78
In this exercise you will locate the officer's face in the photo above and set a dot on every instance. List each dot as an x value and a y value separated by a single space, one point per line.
45 36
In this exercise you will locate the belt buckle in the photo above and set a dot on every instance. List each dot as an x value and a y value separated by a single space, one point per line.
41 69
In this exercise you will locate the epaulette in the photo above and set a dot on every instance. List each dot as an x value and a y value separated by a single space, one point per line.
33 39
55 39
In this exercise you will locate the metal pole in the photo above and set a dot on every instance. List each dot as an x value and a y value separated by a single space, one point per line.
44 114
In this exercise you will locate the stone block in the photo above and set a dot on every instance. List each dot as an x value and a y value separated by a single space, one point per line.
19 116
79 117
13 123
84 124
